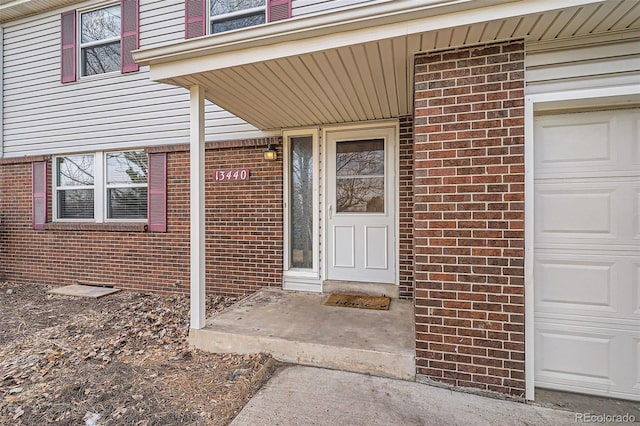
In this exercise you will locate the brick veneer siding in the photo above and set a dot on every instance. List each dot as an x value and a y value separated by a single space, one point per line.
245 222
469 217
406 207
243 231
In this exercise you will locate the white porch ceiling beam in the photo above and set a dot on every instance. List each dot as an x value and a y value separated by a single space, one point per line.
318 33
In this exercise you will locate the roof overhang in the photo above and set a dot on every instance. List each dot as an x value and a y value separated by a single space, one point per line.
355 64
16 9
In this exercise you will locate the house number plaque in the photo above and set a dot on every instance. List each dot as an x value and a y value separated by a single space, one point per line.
230 175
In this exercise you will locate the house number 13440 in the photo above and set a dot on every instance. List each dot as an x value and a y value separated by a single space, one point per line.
231 175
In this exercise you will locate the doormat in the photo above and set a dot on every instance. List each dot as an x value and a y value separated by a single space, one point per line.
94 292
379 303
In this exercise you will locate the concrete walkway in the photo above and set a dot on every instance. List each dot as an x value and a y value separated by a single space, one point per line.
300 395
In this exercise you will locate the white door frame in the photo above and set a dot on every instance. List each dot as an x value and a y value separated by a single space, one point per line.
301 279
621 96
383 124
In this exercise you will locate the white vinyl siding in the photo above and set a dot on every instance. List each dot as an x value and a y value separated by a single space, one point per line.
588 62
308 7
161 22
115 111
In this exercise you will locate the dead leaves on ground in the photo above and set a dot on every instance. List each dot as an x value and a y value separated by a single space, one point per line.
122 359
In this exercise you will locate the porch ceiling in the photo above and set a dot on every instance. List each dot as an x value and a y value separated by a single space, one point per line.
15 9
338 78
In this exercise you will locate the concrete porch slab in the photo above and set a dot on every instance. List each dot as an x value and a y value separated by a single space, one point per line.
296 327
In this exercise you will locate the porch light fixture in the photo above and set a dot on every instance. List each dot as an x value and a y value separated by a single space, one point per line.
270 154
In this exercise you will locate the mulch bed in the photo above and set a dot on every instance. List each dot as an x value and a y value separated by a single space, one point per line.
121 359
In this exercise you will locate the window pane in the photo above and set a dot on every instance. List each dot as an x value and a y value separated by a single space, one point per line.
360 195
101 59
75 204
74 170
301 202
357 158
127 203
100 24
126 167
239 22
220 7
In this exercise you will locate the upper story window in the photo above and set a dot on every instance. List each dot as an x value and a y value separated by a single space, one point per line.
217 16
226 15
100 41
101 186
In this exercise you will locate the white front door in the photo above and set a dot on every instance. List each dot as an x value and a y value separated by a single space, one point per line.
360 205
587 253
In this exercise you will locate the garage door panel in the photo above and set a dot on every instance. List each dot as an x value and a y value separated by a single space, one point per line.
604 211
577 143
585 211
587 359
572 355
599 211
574 283
589 143
602 286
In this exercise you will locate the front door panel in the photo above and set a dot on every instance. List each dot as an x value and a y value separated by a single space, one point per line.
361 205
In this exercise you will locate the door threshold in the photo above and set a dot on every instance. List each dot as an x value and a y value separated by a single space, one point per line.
361 287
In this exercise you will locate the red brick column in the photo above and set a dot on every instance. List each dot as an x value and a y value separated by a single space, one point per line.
406 207
469 217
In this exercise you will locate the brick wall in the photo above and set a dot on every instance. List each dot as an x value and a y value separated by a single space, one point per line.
405 197
243 225
469 217
245 222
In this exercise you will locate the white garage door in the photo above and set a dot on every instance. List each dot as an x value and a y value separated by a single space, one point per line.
587 253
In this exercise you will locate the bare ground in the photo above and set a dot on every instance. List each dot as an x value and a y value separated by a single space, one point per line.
121 359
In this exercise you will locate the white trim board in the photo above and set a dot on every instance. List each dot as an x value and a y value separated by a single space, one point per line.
294 279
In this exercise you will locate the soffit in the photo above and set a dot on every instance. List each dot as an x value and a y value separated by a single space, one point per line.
372 80
16 9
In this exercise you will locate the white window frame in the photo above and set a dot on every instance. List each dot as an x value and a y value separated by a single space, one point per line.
99 188
289 272
108 186
239 13
56 188
81 45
